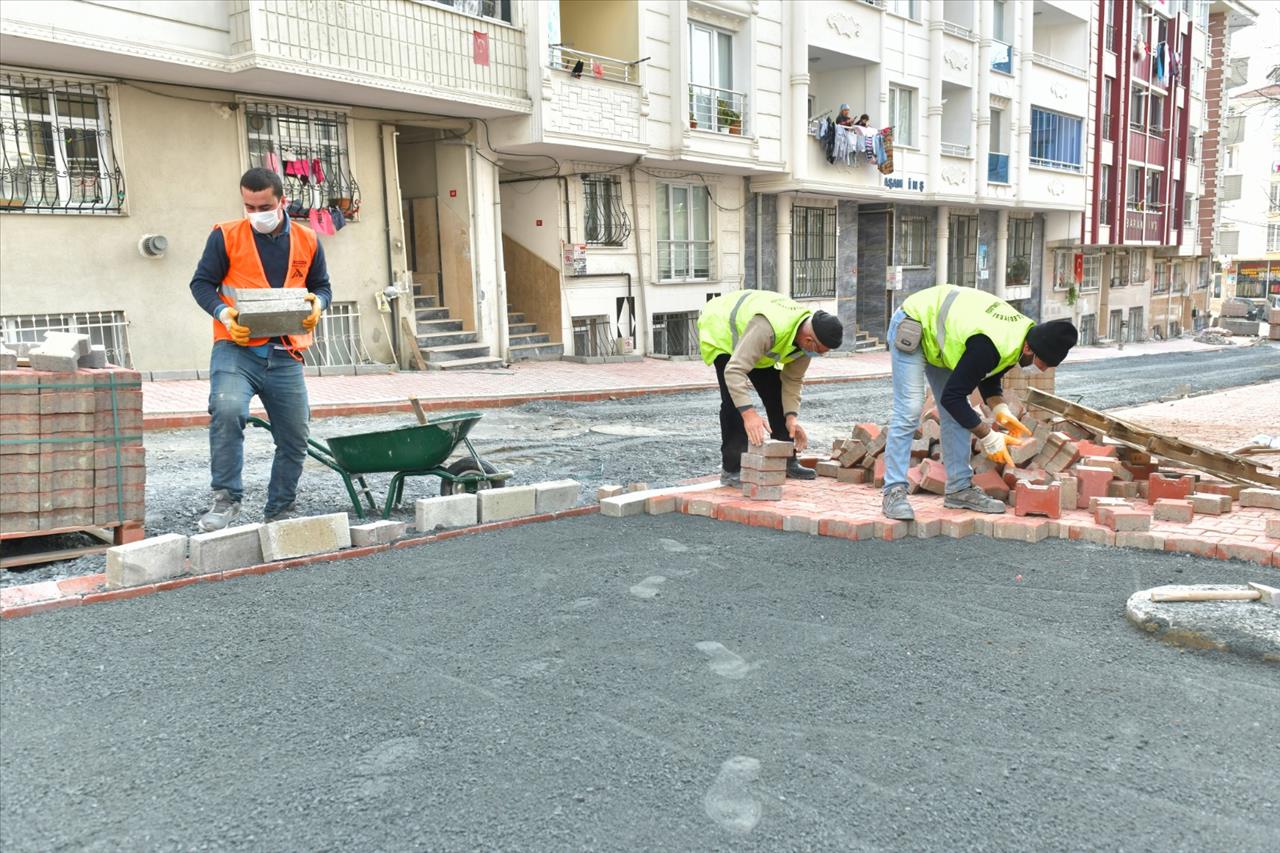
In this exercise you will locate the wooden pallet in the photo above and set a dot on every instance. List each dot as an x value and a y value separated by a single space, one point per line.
1235 469
109 535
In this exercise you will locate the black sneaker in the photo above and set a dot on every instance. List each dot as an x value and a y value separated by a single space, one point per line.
733 479
796 471
221 514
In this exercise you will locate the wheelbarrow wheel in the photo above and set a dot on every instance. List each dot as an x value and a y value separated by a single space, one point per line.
462 468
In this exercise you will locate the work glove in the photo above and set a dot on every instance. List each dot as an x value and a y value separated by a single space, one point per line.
317 308
1004 416
239 334
797 433
996 446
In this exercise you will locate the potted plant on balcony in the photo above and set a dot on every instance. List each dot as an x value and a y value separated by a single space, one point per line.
729 119
1017 272
693 115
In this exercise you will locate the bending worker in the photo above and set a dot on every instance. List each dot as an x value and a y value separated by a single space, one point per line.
959 339
264 249
762 339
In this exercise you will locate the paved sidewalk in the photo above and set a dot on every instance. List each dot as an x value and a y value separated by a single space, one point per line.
181 403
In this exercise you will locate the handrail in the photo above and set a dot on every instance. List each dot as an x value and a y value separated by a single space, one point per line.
611 68
1067 67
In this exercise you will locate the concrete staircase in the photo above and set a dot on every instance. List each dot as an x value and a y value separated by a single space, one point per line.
864 342
527 343
445 345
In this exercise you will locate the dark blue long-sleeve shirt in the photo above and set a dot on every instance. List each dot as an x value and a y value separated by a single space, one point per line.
273 251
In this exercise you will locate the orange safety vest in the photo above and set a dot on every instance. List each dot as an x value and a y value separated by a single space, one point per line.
245 270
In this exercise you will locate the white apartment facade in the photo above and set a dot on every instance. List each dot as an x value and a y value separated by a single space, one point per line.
1249 224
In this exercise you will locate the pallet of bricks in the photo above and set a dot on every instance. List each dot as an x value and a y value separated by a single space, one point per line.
1064 465
71 452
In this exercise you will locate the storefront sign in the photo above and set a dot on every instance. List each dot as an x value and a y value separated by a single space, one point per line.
912 184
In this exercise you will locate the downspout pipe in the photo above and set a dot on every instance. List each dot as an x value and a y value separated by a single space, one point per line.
394 304
640 308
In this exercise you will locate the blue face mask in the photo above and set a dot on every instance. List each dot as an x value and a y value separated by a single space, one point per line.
813 354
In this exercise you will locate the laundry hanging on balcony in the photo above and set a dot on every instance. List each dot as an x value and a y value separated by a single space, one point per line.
855 145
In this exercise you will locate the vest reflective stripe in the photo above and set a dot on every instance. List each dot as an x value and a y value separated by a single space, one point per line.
244 269
722 321
950 315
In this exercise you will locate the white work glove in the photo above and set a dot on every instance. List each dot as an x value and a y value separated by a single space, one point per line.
996 446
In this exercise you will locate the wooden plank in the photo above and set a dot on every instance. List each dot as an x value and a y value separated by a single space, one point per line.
411 339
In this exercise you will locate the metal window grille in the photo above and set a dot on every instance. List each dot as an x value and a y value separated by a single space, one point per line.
912 241
56 153
1088 330
605 217
1161 283
962 250
1104 197
1092 272
308 149
108 329
497 9
675 333
337 338
813 252
1137 325
1018 260
1055 140
594 336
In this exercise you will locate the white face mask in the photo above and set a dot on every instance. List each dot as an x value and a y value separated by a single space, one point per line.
1032 368
264 221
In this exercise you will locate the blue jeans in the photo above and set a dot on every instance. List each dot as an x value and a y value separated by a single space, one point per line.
236 374
910 371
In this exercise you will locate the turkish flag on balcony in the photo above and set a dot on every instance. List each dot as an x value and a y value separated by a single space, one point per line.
480 48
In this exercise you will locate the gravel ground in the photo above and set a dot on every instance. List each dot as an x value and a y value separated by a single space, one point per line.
595 685
659 439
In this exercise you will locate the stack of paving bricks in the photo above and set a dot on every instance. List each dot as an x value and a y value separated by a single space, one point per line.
853 459
71 449
764 470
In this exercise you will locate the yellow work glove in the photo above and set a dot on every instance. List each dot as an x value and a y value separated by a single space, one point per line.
996 446
1004 416
316 310
239 334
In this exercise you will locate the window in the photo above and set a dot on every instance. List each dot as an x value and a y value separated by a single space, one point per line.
1202 279
1120 270
911 242
594 336
500 9
308 149
1064 270
1273 237
337 339
1229 242
1161 282
1055 140
1109 10
1188 208
1108 96
605 220
1137 183
1153 191
684 232
675 333
906 8
902 115
1155 106
107 329
1138 108
998 20
1018 264
1104 197
813 251
962 250
712 101
1275 197
56 147
997 130
1092 272
1137 267
1193 145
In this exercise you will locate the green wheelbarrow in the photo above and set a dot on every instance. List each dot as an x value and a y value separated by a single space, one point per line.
419 450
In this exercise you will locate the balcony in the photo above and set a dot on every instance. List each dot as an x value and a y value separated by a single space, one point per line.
596 101
997 168
717 110
1001 57
1144 225
955 149
1064 67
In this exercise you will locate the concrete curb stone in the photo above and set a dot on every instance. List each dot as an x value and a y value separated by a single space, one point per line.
230 548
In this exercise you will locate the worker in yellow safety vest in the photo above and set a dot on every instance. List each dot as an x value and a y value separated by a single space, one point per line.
761 339
958 339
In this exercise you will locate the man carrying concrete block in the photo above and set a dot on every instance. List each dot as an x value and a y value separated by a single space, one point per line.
762 339
262 250
958 339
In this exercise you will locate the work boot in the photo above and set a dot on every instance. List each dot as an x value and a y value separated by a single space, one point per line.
796 471
732 479
896 505
222 513
975 499
280 514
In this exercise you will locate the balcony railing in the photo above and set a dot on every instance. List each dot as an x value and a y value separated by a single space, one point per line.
684 260
997 168
1001 57
953 149
1065 67
1049 163
813 278
579 63
717 110
957 30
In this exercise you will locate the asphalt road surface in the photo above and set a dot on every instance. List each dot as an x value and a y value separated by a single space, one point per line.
658 439
667 683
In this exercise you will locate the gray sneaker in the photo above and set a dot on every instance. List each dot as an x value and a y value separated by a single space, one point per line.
975 499
222 513
290 511
896 505
733 479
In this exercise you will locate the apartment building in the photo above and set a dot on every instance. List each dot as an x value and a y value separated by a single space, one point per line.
1249 222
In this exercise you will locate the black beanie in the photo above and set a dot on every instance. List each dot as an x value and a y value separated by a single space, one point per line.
827 329
1052 341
